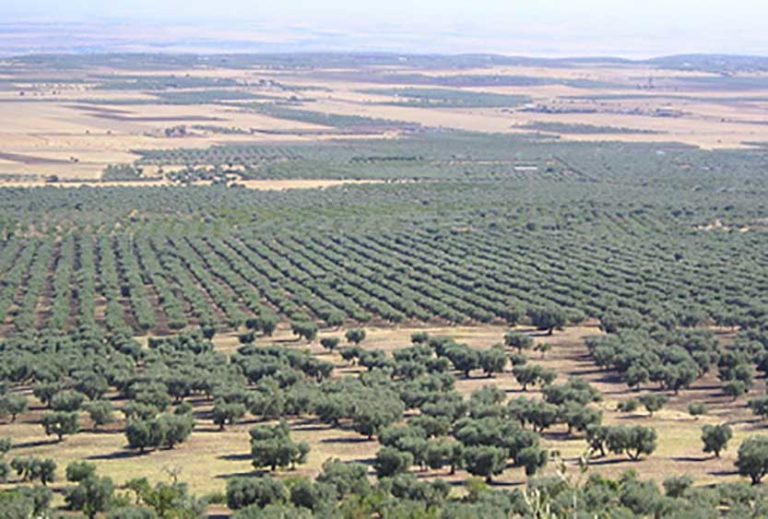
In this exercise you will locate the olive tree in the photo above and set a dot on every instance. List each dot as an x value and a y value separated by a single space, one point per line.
653 403
485 460
273 447
330 343
716 438
752 460
12 405
101 413
61 424
355 336
518 340
390 461
548 318
227 413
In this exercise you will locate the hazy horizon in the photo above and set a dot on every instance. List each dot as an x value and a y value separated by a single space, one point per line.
622 28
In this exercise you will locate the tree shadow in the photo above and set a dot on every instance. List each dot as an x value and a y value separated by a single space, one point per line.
693 458
724 472
105 431
118 455
244 474
300 422
751 427
504 484
361 439
559 435
203 415
432 474
33 444
209 429
312 427
590 370
608 377
291 340
234 457
631 416
609 461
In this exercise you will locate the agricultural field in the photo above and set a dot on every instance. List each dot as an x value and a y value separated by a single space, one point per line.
350 286
68 119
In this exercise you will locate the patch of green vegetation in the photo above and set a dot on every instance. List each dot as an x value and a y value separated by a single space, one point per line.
356 122
466 80
121 172
583 129
446 98
194 97
125 82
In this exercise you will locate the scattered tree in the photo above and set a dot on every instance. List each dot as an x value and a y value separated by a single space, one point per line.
304 329
101 413
329 343
273 447
716 438
548 318
355 336
61 424
390 461
12 405
697 409
493 361
518 340
752 459
653 403
485 461
227 413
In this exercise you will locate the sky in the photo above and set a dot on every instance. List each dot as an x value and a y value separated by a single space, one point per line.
629 28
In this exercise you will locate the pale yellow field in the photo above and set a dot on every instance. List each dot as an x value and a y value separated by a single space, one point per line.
73 131
704 124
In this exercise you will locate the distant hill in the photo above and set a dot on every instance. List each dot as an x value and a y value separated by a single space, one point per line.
717 63
714 63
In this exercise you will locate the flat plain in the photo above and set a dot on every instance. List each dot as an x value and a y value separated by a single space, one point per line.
75 122
147 200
